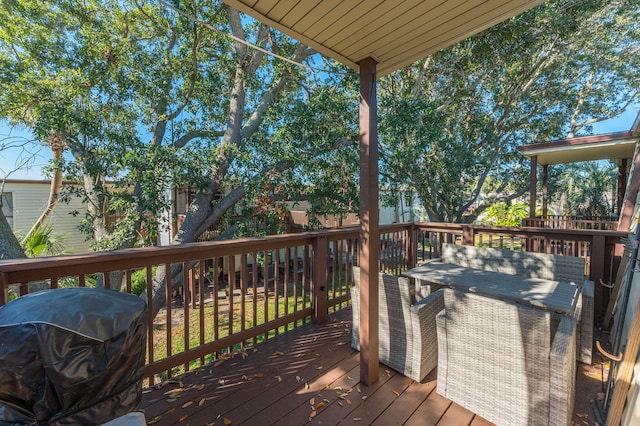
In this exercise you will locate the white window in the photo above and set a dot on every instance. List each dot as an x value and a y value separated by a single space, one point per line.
6 202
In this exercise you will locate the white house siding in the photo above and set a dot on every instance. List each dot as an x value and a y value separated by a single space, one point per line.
29 201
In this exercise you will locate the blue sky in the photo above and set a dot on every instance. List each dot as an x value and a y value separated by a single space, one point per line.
38 156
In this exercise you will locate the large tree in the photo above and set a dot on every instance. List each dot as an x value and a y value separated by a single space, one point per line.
147 98
450 124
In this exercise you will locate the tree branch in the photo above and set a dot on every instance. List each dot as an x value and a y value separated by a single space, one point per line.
195 134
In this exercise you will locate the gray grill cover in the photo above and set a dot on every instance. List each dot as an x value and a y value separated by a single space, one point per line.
71 356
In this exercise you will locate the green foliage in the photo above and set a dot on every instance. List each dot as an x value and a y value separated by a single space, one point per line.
450 125
503 214
43 243
139 281
582 189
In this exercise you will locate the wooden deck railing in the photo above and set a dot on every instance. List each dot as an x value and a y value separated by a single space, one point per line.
232 294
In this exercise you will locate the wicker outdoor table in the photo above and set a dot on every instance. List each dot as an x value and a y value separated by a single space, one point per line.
554 296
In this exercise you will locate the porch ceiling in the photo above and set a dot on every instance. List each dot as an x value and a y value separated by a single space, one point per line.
395 33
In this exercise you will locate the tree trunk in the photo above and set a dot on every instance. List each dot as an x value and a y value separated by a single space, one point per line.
9 245
57 147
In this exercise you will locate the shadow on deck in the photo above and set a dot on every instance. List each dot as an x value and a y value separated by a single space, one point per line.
311 376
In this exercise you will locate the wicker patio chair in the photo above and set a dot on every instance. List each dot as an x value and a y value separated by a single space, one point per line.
407 333
531 265
511 364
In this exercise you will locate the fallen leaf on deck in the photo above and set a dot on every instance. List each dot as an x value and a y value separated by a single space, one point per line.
320 405
200 387
326 386
279 379
183 418
319 367
258 375
170 410
358 389
357 419
221 382
306 385
581 415
202 401
312 401
312 414
278 353
186 404
340 404
388 373
154 420
219 363
348 401
298 378
364 397
396 392
176 390
226 421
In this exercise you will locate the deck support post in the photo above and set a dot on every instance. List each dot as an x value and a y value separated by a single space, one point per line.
545 193
533 182
622 184
597 273
369 253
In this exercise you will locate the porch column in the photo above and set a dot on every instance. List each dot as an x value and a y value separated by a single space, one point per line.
624 223
545 190
369 252
533 182
622 184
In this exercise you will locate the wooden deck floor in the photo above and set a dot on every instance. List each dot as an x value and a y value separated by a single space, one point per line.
311 376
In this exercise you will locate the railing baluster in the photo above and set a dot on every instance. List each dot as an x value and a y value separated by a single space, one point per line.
201 297
167 300
216 299
276 285
254 284
231 286
150 336
287 277
186 296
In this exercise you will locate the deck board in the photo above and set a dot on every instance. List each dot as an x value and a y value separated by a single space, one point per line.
311 376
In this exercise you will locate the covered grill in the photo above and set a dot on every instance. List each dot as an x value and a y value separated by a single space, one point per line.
71 356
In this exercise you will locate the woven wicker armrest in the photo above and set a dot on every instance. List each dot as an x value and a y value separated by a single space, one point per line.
562 368
406 335
355 326
425 338
585 330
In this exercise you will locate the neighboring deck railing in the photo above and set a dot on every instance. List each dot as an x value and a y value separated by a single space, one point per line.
561 222
233 294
